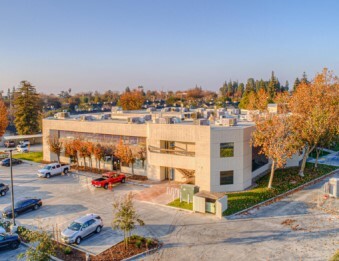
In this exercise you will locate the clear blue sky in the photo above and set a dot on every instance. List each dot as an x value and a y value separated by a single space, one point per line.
101 45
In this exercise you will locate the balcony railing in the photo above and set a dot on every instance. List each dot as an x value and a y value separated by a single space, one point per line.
174 151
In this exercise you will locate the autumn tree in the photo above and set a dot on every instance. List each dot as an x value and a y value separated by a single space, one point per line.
274 136
125 217
3 118
315 111
132 100
70 150
125 154
55 145
98 152
26 109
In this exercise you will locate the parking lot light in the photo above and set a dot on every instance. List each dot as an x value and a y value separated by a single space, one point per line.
12 190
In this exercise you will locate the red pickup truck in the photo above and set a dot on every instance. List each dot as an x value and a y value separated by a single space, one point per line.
108 178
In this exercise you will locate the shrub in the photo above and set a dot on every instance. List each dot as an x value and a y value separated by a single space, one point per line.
67 250
5 224
138 244
149 242
24 233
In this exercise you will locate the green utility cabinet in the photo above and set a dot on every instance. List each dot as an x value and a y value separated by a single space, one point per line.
187 191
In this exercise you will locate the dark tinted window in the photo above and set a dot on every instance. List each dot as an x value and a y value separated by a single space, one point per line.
90 222
226 149
19 204
226 177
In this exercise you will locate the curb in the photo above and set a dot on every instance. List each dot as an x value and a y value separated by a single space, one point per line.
151 251
283 195
138 184
167 206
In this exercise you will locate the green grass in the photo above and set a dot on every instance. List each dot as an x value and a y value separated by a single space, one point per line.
31 156
176 203
313 154
284 180
335 257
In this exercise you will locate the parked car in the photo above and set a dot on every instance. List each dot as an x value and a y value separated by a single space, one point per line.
3 189
108 178
53 169
9 144
82 228
7 162
22 148
22 206
9 241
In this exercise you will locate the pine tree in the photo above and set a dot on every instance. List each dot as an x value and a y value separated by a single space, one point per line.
304 78
27 109
296 84
250 85
272 87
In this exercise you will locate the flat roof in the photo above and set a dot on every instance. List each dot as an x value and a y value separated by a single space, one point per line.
22 137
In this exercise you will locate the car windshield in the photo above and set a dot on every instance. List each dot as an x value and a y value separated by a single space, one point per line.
75 226
47 167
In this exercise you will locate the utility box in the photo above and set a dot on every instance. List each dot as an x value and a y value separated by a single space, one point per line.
187 191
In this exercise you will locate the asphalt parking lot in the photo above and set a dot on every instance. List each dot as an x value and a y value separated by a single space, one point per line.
66 198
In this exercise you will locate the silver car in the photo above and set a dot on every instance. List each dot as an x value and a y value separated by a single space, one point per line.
81 228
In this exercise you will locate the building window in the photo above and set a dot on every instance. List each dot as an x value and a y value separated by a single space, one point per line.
226 177
226 149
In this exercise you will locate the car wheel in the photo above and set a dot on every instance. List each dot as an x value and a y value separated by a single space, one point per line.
48 175
78 240
66 171
3 193
123 180
14 245
106 186
36 207
98 230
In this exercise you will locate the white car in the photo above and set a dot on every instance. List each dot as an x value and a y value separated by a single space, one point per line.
22 148
25 142
53 169
82 228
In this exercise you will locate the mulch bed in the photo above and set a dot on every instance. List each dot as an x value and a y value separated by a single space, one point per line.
137 177
118 252
74 255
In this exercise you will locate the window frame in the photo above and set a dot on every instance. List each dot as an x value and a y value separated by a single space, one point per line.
220 148
225 172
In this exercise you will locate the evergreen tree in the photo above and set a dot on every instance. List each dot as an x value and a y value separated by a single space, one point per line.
223 89
127 89
250 85
296 83
272 87
304 78
262 85
27 109
229 89
286 87
257 85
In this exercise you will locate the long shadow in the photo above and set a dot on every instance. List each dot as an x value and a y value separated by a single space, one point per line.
276 236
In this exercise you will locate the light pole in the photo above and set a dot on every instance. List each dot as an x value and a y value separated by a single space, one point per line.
12 190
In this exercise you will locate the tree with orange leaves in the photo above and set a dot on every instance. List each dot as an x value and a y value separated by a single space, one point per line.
315 112
125 154
132 100
274 135
3 118
258 100
70 150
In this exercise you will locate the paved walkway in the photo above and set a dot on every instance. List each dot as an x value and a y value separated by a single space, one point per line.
329 159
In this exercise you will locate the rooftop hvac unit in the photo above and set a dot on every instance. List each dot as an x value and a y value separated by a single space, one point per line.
227 121
61 115
202 122
86 118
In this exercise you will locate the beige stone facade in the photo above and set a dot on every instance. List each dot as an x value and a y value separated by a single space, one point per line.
174 149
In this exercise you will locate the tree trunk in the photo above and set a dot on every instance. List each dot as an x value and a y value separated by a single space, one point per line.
317 157
85 163
132 168
272 175
58 156
303 164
